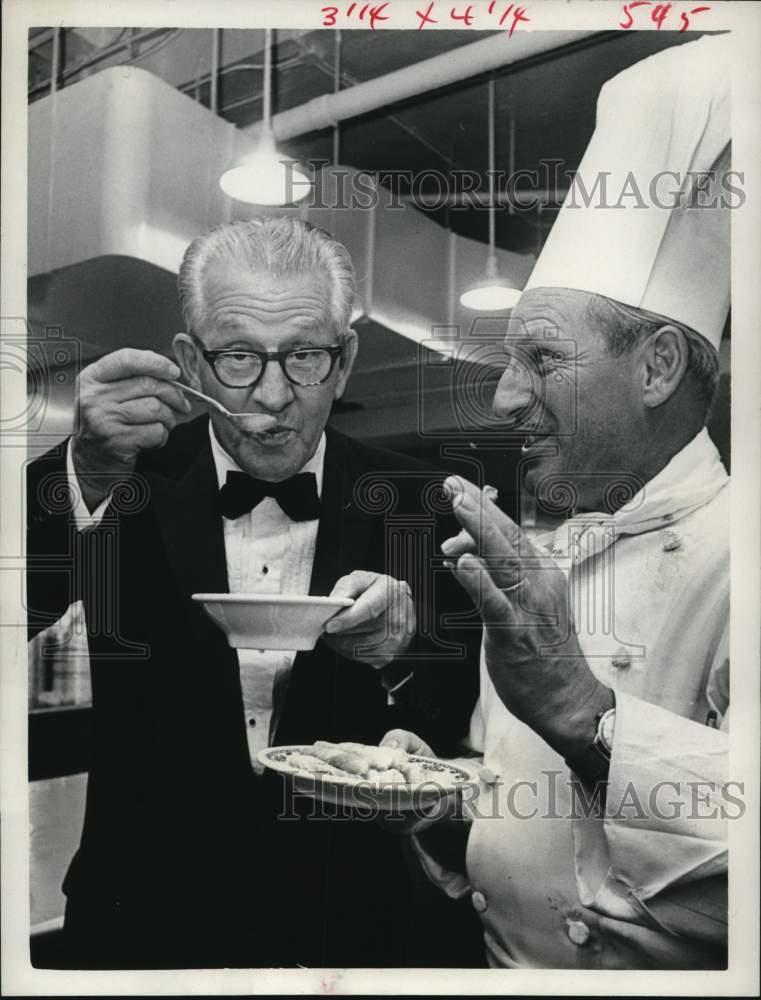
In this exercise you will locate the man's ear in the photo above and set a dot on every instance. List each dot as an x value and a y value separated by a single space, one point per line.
350 346
187 357
664 362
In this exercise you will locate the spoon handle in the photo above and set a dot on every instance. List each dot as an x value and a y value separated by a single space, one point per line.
252 421
202 396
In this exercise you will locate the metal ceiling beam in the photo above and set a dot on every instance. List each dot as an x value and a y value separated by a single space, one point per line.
480 198
420 78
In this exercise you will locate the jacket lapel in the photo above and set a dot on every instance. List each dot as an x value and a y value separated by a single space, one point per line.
192 533
191 528
344 538
344 533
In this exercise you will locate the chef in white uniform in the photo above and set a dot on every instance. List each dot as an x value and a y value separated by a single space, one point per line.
605 656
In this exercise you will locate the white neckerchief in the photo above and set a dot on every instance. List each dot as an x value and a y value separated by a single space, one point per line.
688 481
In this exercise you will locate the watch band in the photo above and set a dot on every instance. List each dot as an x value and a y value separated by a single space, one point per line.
593 765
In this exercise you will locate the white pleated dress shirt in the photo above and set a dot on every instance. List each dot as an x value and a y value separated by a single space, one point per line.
266 553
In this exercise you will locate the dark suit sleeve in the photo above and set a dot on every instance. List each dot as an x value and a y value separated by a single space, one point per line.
51 579
437 701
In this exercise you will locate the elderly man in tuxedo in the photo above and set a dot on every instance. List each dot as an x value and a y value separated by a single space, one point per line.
184 860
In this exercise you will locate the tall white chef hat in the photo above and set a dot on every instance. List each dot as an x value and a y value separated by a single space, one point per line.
622 231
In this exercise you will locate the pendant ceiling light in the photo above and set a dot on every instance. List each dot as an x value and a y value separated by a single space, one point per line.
266 176
491 292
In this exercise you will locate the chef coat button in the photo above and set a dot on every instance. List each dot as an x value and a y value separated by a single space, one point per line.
251 721
479 902
621 659
578 931
488 776
671 541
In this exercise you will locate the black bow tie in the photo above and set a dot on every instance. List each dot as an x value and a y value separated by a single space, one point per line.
296 496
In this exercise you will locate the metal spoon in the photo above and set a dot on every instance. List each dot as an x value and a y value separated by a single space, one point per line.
258 421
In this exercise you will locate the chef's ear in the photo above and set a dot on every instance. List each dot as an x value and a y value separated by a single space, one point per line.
350 345
188 357
664 362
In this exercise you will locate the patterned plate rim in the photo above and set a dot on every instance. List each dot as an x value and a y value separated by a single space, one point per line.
263 756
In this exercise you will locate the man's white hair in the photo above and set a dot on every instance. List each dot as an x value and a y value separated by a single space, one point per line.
280 246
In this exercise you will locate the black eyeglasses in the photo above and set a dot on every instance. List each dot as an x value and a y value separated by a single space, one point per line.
301 365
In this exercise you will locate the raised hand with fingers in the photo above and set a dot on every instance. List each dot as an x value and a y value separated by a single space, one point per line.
125 404
532 652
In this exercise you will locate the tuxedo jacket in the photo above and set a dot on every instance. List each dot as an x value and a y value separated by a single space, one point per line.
184 849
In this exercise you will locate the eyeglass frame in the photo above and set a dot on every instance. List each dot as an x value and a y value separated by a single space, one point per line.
210 357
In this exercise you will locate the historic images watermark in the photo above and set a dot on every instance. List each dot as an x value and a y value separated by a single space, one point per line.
556 795
543 187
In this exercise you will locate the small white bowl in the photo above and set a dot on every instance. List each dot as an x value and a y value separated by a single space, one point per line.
271 621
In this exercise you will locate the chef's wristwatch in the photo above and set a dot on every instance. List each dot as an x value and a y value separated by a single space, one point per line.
593 764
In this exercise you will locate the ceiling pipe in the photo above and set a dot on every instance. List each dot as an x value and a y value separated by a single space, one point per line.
411 81
336 88
479 198
216 38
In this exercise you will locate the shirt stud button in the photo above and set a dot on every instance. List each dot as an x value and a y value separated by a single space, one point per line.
671 542
479 902
252 721
578 932
488 776
621 659
265 570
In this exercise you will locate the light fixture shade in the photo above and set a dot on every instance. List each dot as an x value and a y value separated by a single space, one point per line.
488 295
266 176
491 292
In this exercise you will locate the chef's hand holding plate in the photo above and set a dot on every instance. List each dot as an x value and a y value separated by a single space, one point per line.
380 624
532 652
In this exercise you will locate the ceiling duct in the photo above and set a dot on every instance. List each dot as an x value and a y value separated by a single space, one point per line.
123 174
127 167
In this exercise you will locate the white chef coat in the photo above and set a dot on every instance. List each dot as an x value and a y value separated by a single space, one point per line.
632 888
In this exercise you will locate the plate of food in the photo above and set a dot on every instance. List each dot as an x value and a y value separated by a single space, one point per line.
354 774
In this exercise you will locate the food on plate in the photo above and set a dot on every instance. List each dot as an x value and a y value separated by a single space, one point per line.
379 765
416 774
387 777
308 762
379 758
339 756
